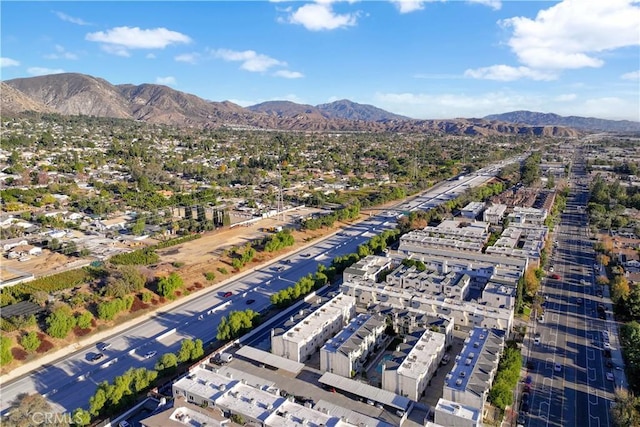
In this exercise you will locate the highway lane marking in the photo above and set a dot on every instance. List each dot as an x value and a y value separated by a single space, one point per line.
591 354
595 418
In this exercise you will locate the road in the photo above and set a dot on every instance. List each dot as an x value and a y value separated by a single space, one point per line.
69 382
577 392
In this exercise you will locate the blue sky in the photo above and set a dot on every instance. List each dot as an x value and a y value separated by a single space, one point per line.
424 59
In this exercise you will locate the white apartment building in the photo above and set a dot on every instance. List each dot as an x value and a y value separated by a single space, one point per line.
475 264
451 284
347 352
465 314
450 234
452 414
260 406
469 381
406 321
520 241
409 374
472 210
307 336
522 215
499 295
368 268
493 214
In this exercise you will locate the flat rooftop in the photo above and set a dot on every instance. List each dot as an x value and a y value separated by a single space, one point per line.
350 337
453 408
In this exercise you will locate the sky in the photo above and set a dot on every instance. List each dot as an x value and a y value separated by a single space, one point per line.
434 59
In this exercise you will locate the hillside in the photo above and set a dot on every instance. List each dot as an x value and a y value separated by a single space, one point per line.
79 94
549 119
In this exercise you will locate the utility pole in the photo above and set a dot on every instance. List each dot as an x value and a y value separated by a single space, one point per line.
280 199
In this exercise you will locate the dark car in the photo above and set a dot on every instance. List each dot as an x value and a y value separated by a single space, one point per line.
555 276
528 380
227 294
306 255
250 301
97 357
599 294
525 398
525 407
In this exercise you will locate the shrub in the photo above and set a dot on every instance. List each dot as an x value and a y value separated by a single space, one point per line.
84 319
223 270
30 342
167 286
5 351
210 276
60 322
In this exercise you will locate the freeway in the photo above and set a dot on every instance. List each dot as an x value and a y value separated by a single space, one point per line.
567 364
69 382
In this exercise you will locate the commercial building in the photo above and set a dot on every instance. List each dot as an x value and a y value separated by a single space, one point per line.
307 335
347 352
469 381
414 363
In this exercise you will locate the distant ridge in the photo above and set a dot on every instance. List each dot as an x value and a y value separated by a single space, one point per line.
80 94
583 123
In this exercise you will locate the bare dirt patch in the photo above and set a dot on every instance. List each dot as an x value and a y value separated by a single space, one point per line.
80 332
18 353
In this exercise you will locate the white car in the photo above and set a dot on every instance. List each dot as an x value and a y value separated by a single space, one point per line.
609 376
150 354
536 340
607 346
557 367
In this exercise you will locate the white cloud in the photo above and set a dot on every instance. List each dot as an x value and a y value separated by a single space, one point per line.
119 39
150 56
408 6
169 81
494 4
566 97
8 62
321 16
288 74
115 50
251 60
41 71
71 19
633 75
507 73
190 58
61 53
571 33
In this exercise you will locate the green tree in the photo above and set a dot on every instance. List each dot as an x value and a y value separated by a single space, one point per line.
625 412
84 319
60 322
167 286
5 350
30 342
167 361
81 417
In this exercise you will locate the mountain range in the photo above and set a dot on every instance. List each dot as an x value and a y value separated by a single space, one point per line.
575 122
80 94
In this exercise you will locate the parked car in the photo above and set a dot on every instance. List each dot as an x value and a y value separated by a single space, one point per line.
536 340
97 357
150 354
250 301
579 301
557 367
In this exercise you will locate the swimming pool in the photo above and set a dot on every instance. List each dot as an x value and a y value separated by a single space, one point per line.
384 359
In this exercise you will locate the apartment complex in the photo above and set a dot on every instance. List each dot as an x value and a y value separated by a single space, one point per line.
367 268
470 380
472 210
493 214
413 364
452 285
305 337
346 353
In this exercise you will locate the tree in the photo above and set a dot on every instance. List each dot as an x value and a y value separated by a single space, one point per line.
30 342
30 409
81 417
167 361
620 289
625 412
5 350
60 322
84 319
167 286
531 282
